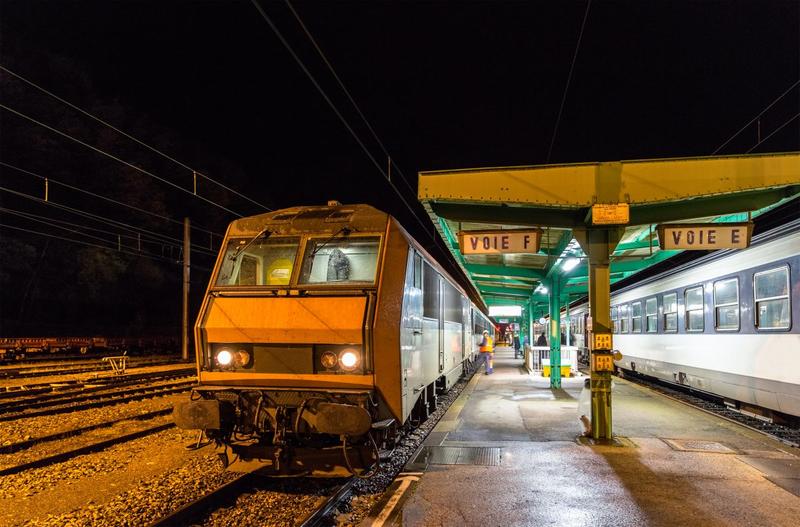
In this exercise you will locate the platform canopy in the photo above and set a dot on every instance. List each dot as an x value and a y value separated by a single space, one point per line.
559 198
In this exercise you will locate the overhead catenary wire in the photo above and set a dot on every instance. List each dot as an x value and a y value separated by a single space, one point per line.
114 249
569 79
390 162
137 236
94 195
94 217
778 129
132 138
754 119
349 128
111 156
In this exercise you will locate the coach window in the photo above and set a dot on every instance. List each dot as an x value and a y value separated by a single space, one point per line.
430 293
452 304
772 298
636 317
651 312
670 312
623 318
693 301
614 319
726 304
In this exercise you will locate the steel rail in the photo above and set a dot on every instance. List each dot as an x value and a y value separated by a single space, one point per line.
52 397
86 449
22 445
318 518
98 392
143 393
223 495
42 371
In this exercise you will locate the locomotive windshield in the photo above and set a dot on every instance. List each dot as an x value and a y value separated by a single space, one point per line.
338 261
263 262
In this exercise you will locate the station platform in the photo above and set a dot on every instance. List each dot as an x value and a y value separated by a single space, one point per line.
508 452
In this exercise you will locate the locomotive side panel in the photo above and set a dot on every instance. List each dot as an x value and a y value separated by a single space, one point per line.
387 322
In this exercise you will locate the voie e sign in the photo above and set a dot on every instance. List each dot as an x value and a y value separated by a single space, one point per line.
498 242
705 236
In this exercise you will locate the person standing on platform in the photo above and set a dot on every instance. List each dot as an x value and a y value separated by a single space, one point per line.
487 352
517 345
542 340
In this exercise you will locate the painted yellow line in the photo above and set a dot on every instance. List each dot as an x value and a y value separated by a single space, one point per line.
405 482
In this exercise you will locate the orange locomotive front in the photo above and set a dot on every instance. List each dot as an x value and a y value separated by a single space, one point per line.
309 341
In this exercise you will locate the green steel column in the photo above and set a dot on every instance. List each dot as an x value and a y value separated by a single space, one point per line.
531 336
555 334
568 330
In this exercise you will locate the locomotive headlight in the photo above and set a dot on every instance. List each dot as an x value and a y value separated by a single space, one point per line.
349 360
329 360
224 358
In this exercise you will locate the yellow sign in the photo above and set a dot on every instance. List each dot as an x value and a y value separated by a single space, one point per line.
601 341
602 362
705 236
611 214
498 242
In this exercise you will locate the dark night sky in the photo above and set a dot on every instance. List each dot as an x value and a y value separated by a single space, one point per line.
444 84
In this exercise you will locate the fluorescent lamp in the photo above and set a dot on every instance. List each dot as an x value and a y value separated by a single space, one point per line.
569 264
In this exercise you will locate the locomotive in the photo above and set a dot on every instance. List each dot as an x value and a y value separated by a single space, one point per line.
324 331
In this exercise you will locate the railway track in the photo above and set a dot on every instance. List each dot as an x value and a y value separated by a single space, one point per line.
320 516
226 495
96 400
95 446
715 406
22 445
42 371
54 391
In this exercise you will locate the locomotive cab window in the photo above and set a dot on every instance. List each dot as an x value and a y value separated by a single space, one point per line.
670 312
771 289
694 309
726 304
261 262
636 317
340 260
651 312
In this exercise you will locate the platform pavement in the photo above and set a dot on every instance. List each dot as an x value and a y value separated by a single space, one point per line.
545 476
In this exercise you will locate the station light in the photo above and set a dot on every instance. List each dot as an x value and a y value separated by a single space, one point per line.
569 264
505 311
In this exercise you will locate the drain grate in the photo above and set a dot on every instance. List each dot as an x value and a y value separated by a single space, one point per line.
696 445
449 455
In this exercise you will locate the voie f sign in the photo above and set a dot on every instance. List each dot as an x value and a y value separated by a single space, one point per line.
498 242
705 236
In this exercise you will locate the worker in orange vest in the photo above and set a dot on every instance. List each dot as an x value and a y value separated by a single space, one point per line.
487 352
